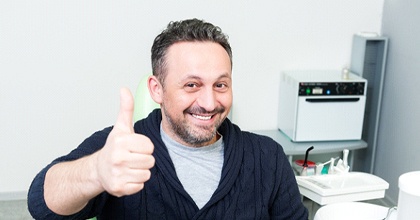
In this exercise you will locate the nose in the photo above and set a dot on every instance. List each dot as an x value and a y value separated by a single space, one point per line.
207 99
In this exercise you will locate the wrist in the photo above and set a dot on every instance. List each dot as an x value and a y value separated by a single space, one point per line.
93 186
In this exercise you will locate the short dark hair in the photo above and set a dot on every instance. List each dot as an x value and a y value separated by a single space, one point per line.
186 30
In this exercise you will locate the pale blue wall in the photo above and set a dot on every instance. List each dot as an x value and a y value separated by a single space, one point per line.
398 148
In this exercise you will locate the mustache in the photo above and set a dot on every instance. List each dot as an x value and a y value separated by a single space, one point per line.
201 110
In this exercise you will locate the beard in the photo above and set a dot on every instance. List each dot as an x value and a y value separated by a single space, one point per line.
195 135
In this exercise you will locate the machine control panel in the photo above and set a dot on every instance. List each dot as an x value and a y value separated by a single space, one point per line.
331 88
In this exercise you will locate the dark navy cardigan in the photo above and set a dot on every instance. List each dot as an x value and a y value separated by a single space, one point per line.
257 182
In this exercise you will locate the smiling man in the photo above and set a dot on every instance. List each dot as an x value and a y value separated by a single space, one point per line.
186 160
197 94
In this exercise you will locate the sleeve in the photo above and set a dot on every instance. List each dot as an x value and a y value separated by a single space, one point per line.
288 201
36 202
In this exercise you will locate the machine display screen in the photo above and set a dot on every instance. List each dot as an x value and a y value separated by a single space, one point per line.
337 88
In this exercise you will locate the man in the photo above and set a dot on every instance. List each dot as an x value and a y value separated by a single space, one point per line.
185 161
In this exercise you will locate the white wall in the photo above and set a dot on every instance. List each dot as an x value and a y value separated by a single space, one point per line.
62 63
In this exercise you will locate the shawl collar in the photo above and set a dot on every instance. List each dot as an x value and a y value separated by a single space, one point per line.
233 154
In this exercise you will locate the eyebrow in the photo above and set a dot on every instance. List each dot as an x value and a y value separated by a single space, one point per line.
225 75
191 76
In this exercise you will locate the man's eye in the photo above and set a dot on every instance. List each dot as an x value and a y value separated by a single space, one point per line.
191 85
222 86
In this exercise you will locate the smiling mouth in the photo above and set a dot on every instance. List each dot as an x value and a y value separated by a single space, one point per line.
201 117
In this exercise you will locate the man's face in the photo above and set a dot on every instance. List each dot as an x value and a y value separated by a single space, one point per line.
197 94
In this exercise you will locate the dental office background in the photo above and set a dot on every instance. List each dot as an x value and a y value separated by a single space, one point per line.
62 64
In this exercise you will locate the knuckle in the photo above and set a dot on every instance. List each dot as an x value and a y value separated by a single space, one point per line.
148 146
115 189
119 140
152 161
145 176
114 163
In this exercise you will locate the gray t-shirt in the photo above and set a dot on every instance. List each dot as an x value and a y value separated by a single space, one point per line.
198 169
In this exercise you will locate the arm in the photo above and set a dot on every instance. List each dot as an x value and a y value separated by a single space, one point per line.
77 183
120 168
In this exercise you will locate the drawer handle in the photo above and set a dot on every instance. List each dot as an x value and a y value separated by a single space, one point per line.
333 100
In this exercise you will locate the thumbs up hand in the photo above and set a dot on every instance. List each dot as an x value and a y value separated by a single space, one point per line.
124 163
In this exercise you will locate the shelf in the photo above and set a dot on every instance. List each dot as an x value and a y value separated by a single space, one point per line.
320 147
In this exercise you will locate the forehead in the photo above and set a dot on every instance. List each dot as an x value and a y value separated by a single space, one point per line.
196 51
197 58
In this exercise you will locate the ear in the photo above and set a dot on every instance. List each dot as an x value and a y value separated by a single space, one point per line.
155 89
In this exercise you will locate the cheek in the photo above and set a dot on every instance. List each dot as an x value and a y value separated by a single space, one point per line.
176 101
226 100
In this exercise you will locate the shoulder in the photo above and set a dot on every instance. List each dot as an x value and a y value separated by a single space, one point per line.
89 146
249 139
262 141
263 148
97 138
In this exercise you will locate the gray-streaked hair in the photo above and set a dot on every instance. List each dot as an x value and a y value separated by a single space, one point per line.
184 31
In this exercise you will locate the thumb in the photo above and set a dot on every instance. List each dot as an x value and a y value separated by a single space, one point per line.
125 115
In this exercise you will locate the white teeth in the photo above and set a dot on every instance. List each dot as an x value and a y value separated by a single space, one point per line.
201 117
